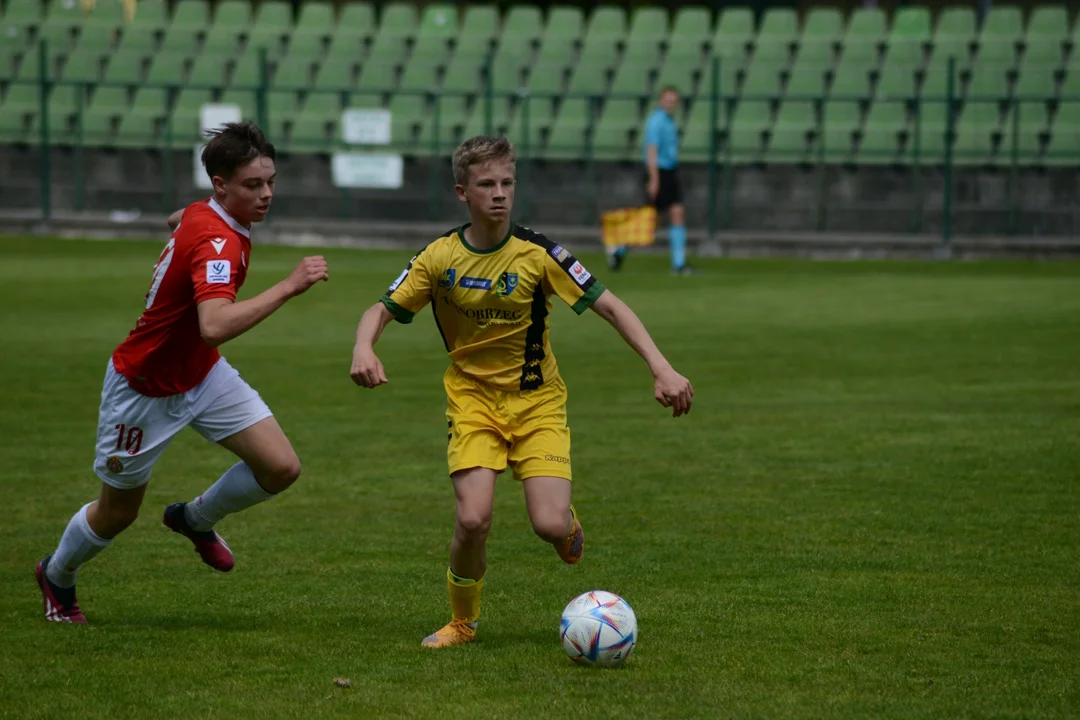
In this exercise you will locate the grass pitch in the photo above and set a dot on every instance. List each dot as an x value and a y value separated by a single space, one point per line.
872 510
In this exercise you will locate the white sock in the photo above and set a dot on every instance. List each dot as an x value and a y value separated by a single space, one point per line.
234 491
78 545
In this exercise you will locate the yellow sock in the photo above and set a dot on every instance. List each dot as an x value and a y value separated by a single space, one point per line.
464 597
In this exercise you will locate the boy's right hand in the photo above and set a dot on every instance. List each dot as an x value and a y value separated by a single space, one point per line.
310 271
367 370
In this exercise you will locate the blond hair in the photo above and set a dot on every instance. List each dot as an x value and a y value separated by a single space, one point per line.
479 150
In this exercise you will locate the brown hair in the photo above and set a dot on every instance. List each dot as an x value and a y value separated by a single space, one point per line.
233 146
478 150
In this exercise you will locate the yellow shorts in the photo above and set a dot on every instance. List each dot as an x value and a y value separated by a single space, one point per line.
495 428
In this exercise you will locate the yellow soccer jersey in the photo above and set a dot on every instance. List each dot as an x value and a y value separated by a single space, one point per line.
492 306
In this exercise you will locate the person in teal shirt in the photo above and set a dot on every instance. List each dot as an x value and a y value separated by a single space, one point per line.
662 187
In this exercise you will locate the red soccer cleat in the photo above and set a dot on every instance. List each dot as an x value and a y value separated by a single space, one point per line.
60 603
211 547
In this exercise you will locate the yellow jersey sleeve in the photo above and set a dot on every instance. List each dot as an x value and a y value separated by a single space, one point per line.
565 276
412 290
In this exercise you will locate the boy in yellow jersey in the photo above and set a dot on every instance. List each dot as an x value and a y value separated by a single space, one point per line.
490 283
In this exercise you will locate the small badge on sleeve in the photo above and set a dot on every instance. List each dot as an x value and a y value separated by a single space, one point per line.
218 272
581 275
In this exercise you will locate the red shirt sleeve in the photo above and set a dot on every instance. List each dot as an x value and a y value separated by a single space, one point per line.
215 264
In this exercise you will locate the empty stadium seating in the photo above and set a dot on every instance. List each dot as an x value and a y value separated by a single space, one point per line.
868 87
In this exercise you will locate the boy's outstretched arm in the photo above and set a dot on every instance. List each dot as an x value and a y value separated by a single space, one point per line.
367 370
672 389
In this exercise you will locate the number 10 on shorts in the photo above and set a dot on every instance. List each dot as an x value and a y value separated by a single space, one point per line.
129 438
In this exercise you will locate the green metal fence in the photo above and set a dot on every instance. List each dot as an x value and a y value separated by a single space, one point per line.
806 138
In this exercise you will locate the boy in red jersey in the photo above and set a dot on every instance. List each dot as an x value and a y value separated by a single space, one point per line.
168 374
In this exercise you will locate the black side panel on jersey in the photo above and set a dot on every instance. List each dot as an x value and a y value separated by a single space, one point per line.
532 374
556 251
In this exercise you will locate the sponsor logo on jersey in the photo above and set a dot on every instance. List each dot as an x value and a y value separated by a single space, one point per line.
447 279
580 274
219 244
218 272
506 284
114 465
471 283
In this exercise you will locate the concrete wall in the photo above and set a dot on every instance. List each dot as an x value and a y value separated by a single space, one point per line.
776 198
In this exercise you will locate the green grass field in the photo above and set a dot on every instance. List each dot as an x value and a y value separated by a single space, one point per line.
872 510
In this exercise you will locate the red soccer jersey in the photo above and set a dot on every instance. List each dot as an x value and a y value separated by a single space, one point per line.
206 258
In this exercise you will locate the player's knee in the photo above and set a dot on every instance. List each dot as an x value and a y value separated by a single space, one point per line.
282 473
119 518
551 524
474 525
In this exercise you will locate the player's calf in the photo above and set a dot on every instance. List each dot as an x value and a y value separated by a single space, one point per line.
572 546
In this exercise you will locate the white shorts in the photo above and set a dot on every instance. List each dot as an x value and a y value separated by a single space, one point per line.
134 430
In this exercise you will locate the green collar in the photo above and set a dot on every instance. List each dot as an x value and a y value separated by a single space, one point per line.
488 251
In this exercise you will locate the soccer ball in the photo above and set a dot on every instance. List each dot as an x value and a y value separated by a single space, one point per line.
599 628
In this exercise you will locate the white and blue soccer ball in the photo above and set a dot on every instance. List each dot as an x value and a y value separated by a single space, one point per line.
599 628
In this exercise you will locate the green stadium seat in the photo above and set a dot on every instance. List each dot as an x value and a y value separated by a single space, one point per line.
314 25
407 114
633 77
1070 87
1047 30
508 67
588 78
398 21
438 21
897 82
840 125
779 27
102 117
84 65
683 66
336 73
955 26
606 30
569 136
808 75
791 136
1003 27
464 72
524 26
62 21
140 126
246 71
480 25
1033 131
694 144
1037 78
246 100
29 67
763 77
19 115
821 34
151 16
96 37
232 20
734 30
421 72
19 22
476 122
979 127
1064 147
107 16
616 131
565 23
167 69
751 120
208 69
648 27
126 66
880 139
272 26
691 30
866 32
356 21
548 73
